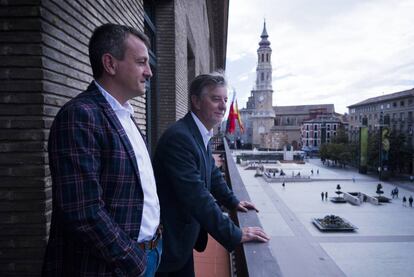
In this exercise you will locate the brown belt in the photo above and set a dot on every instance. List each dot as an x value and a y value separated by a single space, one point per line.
152 244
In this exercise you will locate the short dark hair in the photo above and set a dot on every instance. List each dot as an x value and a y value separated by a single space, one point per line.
110 38
202 81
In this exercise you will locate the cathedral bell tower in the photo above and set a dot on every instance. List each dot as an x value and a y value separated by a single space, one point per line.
263 115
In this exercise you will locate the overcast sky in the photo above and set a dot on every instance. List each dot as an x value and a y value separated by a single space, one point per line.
323 51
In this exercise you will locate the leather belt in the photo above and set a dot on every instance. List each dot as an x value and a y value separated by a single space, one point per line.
152 244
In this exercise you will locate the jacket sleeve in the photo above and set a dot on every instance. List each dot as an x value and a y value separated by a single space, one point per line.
74 150
179 155
220 190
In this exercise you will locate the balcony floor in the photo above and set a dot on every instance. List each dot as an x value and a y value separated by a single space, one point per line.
213 262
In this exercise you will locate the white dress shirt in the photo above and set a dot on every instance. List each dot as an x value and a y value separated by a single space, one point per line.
206 134
151 208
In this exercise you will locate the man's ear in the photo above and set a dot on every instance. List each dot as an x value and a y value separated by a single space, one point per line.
109 64
195 101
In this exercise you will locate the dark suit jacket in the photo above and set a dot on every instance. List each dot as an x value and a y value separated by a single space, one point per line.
97 193
186 180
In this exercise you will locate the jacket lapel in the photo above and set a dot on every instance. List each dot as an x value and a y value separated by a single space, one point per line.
200 143
116 124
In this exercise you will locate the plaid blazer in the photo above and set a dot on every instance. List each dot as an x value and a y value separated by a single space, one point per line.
97 193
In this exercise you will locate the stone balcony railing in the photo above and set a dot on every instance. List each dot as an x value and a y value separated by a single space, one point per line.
250 259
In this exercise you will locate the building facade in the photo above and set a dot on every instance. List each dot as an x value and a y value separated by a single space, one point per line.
45 63
322 129
268 126
398 107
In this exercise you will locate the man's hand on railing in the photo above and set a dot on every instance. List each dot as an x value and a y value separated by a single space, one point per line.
254 234
244 206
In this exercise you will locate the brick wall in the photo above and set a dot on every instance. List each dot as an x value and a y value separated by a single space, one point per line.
44 53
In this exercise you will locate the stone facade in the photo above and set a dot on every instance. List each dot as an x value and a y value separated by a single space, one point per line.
395 110
398 107
45 63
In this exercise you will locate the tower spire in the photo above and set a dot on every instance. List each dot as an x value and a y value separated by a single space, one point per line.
264 36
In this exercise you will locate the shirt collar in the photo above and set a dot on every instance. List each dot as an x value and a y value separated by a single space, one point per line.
206 134
115 105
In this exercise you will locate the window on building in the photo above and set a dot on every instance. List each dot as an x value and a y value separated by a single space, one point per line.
315 135
267 57
328 135
394 104
328 127
410 101
315 127
402 116
334 127
307 127
402 103
388 106
262 57
262 76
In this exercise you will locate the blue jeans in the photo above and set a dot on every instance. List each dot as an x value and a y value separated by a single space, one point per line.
153 259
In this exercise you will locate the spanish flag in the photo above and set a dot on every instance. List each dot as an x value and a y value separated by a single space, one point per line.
239 118
234 115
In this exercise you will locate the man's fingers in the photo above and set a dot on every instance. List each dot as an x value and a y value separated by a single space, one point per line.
248 206
254 234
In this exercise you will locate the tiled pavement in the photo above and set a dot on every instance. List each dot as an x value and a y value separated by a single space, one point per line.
382 246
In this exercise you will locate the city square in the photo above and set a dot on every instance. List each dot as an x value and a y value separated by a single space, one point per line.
383 244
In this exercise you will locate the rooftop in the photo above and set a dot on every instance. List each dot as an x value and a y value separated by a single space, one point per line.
383 98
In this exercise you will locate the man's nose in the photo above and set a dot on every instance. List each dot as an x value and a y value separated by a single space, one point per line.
148 72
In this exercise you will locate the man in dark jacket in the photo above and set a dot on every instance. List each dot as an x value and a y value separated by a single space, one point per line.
106 214
189 183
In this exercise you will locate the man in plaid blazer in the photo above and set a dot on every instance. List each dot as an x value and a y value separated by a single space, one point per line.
105 219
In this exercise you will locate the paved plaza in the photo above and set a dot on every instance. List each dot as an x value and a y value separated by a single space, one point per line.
383 244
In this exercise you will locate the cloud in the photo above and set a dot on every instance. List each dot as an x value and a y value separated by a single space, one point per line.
340 51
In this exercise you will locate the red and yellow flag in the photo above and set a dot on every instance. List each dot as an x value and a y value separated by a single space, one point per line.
239 118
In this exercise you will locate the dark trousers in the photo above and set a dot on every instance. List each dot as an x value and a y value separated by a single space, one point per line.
186 271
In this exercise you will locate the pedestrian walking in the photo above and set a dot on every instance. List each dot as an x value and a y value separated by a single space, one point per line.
317 171
322 195
404 201
283 184
353 179
326 196
396 192
393 193
311 171
410 200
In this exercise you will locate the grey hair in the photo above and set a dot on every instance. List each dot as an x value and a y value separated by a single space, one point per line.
199 83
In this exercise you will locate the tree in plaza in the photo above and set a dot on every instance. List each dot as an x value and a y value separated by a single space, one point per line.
323 152
401 153
341 136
